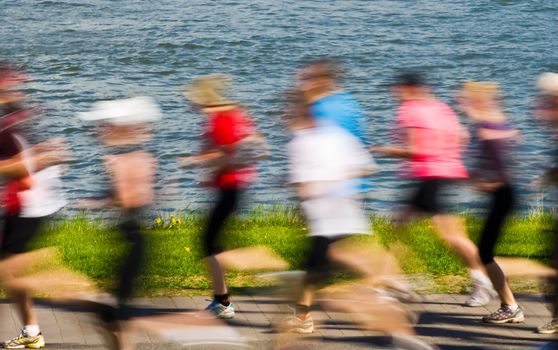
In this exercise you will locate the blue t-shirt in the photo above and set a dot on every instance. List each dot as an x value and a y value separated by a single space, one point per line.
340 109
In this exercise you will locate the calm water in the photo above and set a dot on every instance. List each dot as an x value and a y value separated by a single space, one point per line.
82 51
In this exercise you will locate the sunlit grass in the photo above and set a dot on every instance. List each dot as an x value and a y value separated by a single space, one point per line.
174 260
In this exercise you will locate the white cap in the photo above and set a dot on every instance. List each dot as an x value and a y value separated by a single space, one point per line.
548 83
135 110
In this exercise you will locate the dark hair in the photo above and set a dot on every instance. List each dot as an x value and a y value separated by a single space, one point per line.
295 105
409 78
324 67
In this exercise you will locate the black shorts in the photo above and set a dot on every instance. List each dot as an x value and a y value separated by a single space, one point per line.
319 266
17 234
427 197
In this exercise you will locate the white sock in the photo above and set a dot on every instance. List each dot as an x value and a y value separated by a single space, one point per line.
513 307
32 329
481 278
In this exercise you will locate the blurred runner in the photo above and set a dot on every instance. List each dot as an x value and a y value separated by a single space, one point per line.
433 142
29 198
123 128
320 83
229 133
329 103
546 110
480 102
324 162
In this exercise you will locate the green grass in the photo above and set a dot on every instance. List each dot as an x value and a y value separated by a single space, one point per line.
174 259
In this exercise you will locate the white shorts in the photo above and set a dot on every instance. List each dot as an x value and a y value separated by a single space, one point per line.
334 216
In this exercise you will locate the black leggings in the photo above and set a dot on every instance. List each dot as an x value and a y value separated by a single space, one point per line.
226 205
503 200
130 228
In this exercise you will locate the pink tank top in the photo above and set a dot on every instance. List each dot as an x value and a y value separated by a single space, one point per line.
436 139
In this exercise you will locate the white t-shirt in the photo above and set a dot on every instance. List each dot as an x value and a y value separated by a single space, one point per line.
45 197
327 160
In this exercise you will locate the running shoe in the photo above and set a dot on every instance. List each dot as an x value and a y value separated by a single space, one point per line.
293 324
505 315
550 327
25 341
480 296
220 310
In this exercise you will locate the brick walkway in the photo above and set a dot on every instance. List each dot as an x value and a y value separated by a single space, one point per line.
443 321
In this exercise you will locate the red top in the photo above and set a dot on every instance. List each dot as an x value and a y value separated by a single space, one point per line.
9 147
12 202
225 128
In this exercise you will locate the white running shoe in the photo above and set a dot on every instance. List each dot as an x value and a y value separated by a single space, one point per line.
25 341
505 315
480 296
220 310
293 324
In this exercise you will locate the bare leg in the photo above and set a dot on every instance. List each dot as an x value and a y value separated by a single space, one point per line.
451 230
500 283
370 261
20 297
25 307
217 275
307 296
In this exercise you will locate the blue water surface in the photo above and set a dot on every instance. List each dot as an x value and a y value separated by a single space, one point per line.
81 51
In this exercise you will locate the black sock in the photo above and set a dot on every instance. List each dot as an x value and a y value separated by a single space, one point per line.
223 299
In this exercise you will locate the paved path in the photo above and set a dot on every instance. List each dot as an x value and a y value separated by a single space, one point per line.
443 321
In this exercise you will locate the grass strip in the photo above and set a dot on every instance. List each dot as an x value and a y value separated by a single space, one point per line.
92 246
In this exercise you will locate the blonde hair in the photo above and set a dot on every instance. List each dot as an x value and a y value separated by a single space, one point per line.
487 90
209 90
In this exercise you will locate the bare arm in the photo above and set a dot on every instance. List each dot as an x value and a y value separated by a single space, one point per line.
399 151
364 171
13 167
50 152
303 190
53 151
391 151
490 134
206 158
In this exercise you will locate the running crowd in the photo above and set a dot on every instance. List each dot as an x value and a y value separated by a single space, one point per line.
329 157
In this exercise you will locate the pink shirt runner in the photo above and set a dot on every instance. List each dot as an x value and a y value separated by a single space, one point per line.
437 139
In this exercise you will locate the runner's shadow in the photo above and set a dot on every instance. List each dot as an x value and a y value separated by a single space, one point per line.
468 320
83 306
373 341
446 328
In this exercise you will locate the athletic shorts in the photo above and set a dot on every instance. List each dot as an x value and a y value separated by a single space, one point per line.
427 196
335 216
318 265
17 233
